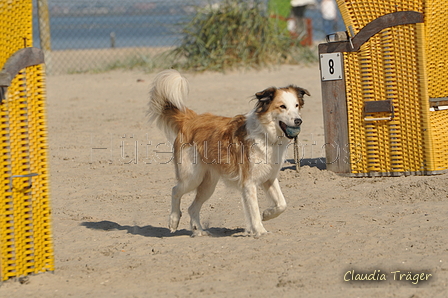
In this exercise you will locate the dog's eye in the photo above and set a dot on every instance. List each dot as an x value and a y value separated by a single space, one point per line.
283 106
297 105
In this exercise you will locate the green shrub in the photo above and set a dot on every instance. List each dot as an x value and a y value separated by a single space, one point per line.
234 34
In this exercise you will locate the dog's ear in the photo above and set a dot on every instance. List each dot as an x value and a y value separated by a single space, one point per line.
300 93
266 94
265 98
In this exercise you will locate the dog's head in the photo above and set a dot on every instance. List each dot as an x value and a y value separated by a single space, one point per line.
282 105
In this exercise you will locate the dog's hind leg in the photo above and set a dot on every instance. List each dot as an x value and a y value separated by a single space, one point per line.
272 189
183 186
203 193
176 195
189 177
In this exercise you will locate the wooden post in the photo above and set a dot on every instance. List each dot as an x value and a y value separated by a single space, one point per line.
335 123
112 39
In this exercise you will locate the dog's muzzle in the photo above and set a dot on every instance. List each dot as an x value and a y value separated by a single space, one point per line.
291 131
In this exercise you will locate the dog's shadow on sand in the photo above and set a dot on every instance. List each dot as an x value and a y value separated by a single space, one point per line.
319 163
158 232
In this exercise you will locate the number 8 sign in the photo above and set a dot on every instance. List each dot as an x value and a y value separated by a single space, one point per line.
331 66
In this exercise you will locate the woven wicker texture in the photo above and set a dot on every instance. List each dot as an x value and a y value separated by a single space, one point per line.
439 138
403 64
358 13
25 230
436 20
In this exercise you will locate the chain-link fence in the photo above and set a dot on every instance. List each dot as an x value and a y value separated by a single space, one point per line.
86 35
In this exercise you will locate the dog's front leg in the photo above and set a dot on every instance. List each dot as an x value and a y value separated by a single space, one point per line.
272 189
251 210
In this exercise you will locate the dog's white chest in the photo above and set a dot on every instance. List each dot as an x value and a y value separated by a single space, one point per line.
267 159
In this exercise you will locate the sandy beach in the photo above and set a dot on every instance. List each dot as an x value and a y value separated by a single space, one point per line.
111 180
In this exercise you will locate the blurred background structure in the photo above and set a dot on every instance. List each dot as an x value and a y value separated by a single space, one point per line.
97 35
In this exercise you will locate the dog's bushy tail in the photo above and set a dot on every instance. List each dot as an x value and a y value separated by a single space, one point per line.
166 104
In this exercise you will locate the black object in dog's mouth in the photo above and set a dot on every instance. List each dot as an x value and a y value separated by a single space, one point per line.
290 131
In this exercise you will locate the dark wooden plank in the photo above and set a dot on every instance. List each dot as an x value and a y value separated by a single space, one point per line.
19 60
383 22
372 28
436 102
378 106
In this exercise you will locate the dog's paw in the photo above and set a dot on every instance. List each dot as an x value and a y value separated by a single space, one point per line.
174 222
268 214
200 233
272 213
257 235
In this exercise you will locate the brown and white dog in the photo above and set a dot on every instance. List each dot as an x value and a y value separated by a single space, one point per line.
246 151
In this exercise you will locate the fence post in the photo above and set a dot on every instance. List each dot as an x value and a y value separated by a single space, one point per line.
44 32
